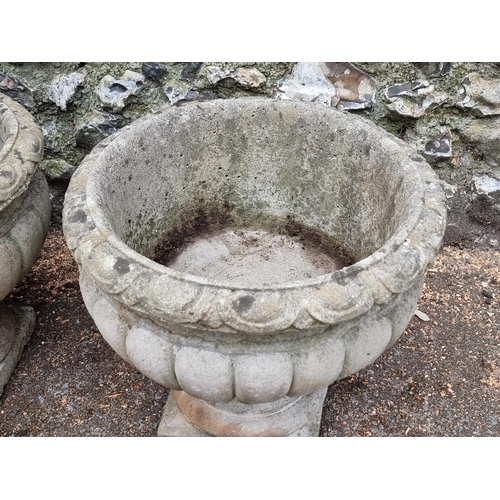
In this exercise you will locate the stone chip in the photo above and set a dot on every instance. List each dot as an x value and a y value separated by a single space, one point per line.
480 95
250 78
307 83
355 89
116 93
438 149
63 88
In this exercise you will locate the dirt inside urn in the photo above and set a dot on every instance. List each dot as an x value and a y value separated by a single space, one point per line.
275 252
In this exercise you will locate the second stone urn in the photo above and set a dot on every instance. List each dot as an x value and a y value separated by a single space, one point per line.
24 222
247 253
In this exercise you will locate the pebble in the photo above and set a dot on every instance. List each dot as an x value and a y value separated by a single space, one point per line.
421 315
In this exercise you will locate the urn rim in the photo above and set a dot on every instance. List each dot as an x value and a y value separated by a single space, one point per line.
327 299
21 150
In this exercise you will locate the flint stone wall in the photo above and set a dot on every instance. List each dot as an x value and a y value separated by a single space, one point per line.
449 112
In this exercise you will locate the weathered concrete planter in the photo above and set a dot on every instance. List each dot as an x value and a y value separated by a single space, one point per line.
260 205
24 222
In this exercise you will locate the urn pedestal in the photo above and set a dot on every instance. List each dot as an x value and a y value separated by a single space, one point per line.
24 222
247 253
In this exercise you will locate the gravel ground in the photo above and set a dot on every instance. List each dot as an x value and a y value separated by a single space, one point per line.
442 378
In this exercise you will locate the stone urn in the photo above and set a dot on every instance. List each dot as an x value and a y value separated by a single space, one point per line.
247 253
24 222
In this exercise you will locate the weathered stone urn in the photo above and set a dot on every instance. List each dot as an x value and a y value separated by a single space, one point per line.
24 222
247 253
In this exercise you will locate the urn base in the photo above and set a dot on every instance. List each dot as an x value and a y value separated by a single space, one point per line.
16 326
186 416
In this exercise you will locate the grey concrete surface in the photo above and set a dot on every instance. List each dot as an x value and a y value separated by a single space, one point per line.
313 174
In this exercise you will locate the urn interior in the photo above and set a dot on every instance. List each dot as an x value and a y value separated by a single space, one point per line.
220 194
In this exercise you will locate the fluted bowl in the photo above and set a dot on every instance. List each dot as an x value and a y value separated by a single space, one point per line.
251 250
